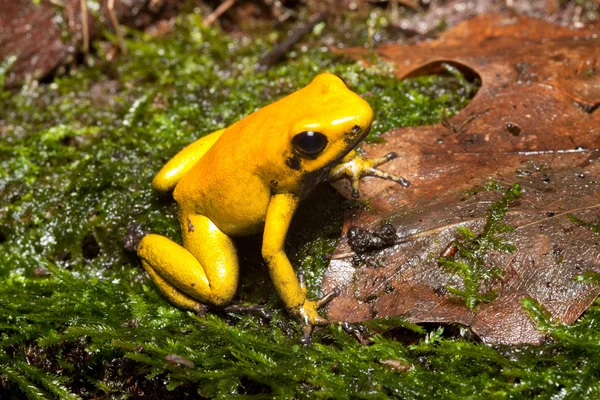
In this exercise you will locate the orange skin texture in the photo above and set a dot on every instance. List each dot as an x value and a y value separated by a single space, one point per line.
249 178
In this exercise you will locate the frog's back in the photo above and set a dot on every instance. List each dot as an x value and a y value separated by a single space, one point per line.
226 190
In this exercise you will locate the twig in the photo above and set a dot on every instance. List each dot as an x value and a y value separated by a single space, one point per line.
116 26
226 5
84 26
577 17
280 50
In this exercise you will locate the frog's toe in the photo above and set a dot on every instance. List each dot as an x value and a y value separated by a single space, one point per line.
260 311
307 329
370 169
359 332
355 182
375 162
309 317
306 337
328 297
384 175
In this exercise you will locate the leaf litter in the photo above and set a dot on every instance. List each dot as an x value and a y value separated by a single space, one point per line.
533 125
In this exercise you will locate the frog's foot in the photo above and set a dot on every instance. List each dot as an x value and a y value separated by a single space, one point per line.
255 310
308 313
358 167
356 330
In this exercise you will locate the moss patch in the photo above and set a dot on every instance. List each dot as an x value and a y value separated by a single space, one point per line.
79 317
472 249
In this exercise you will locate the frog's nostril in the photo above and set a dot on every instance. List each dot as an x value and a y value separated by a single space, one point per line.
356 134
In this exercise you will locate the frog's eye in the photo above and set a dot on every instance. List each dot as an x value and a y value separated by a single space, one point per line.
309 143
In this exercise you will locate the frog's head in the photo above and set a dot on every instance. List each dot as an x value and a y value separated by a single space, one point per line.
329 120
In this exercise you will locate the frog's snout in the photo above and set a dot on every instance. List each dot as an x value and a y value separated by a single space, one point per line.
357 134
363 121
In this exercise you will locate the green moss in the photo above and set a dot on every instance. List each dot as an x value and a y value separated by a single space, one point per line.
473 249
4 68
78 315
587 276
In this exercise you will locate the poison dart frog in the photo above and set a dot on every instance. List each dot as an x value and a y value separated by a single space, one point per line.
249 178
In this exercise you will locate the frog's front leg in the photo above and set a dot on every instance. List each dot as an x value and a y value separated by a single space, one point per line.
205 270
291 291
355 167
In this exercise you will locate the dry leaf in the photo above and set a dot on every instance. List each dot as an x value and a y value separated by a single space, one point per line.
535 121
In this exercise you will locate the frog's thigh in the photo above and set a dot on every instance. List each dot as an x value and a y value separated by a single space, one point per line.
207 272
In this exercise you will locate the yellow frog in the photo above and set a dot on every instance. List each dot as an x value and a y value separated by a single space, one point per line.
249 178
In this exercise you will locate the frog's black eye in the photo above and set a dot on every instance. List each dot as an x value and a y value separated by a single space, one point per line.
309 143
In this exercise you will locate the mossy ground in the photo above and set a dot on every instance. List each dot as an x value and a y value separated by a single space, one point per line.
78 317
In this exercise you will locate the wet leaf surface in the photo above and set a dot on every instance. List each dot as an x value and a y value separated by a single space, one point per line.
535 122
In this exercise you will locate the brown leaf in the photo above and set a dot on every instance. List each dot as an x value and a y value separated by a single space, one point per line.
449 13
534 121
30 31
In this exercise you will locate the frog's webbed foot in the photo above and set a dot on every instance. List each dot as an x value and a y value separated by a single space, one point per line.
357 167
308 314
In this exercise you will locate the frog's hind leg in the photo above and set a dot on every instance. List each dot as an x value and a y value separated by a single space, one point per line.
205 270
174 295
